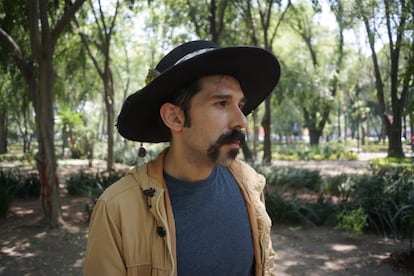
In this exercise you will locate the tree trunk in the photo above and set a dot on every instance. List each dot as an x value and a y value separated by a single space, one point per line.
46 158
41 84
3 130
247 153
394 136
109 102
266 124
255 133
314 136
363 134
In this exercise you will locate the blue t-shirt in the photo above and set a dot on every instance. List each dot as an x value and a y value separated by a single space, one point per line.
212 226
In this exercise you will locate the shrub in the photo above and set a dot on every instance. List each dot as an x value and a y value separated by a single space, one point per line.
7 183
388 199
352 222
14 184
80 184
342 186
28 186
291 177
329 151
322 210
284 208
392 165
91 185
86 183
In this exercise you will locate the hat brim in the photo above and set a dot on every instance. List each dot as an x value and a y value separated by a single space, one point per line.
257 70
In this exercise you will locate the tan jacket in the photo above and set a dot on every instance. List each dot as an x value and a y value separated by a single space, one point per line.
134 234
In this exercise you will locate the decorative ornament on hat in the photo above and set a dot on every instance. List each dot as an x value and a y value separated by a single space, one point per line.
152 74
142 151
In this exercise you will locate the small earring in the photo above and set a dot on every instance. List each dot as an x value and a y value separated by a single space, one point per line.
142 151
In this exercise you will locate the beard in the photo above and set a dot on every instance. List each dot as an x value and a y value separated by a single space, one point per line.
226 138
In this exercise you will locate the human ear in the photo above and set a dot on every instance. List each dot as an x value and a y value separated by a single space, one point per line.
172 116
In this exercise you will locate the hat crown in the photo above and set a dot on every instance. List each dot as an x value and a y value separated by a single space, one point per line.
180 53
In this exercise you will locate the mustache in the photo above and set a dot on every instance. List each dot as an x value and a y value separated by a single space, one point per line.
231 137
226 138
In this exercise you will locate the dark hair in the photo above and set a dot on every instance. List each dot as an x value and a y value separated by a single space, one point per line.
183 99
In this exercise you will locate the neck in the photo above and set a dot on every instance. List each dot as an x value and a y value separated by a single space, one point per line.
183 167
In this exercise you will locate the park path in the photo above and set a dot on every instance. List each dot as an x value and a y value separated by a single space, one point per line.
334 167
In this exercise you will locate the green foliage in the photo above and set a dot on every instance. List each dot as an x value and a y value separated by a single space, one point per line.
285 208
7 184
352 222
91 185
329 151
80 184
86 144
374 147
8 157
381 202
388 200
28 186
291 177
323 209
127 153
14 184
341 186
391 164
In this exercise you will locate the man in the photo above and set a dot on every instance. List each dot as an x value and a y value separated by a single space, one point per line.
196 209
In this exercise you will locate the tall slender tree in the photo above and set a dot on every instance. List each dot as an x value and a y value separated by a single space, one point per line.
395 20
263 33
320 95
46 25
98 47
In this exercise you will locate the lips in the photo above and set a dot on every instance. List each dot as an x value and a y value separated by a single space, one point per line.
234 144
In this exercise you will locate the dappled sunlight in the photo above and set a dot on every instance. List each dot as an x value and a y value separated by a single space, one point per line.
33 252
79 263
74 209
19 211
325 251
27 246
14 251
343 247
332 266
380 256
19 248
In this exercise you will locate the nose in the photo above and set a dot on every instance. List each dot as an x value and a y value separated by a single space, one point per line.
239 120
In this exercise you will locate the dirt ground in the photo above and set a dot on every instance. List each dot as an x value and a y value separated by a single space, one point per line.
28 248
326 251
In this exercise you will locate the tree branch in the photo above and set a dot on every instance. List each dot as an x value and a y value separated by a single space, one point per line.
15 52
65 19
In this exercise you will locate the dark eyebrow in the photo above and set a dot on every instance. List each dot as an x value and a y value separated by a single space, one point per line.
227 97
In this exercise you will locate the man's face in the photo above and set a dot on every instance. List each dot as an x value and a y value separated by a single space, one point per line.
216 120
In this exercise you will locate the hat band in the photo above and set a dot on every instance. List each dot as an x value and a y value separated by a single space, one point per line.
193 54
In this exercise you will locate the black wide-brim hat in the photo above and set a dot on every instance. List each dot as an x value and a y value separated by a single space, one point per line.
256 69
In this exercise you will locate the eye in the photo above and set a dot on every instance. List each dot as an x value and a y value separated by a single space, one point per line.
221 103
